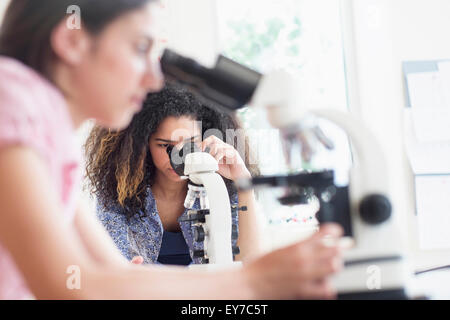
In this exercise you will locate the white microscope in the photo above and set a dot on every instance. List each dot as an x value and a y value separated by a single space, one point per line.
213 222
375 267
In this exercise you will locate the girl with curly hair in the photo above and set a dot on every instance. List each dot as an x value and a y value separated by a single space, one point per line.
54 77
140 197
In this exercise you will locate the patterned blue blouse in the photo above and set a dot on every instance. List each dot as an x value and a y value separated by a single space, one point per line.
142 233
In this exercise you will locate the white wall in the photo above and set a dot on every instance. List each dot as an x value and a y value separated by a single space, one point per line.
190 28
386 33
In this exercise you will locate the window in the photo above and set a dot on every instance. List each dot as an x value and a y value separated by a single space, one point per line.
301 36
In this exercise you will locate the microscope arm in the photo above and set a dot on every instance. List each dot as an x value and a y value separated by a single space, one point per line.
371 199
378 239
368 177
218 222
201 169
369 171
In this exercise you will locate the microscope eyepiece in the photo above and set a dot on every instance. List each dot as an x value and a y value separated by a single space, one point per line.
179 68
177 155
229 84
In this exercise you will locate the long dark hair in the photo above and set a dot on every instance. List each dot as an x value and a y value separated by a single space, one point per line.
28 25
119 165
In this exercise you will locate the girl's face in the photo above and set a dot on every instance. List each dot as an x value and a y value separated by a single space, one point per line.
119 69
172 131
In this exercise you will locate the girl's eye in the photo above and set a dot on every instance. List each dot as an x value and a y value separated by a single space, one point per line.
165 145
143 48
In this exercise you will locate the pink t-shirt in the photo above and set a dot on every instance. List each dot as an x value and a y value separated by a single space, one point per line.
33 113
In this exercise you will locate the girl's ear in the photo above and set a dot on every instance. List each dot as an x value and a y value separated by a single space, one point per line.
70 44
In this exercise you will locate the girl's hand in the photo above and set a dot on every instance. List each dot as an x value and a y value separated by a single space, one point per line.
231 165
302 270
137 260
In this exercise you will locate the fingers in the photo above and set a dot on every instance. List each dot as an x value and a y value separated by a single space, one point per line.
298 271
326 266
220 150
214 143
330 230
317 258
208 142
327 237
220 155
327 240
137 260
321 265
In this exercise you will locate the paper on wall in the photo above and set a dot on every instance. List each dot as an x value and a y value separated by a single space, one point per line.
444 71
426 90
431 157
431 124
433 211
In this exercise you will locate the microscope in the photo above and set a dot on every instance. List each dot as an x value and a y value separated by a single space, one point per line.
212 223
375 267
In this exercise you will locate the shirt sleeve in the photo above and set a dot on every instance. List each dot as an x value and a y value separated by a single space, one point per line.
234 201
115 222
20 120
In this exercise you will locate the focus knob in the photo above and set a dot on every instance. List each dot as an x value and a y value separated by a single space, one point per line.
375 209
199 234
199 254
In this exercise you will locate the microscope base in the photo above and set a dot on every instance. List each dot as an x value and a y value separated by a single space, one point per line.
379 278
393 294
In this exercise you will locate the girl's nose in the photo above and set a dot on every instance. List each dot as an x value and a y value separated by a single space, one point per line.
153 79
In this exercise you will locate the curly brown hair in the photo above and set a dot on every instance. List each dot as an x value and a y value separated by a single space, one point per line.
119 165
